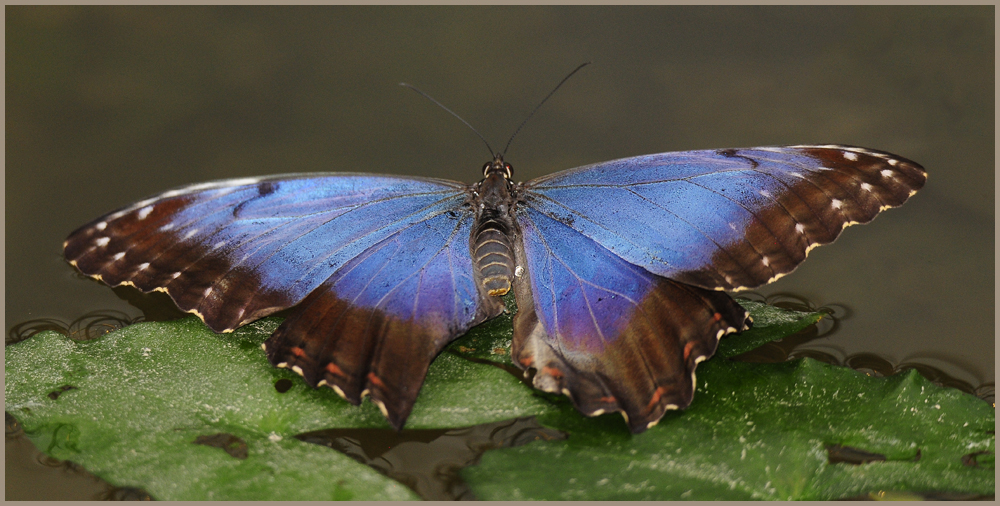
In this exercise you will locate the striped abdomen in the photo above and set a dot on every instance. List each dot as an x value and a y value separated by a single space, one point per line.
493 253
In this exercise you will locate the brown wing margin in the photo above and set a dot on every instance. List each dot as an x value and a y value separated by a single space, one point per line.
840 186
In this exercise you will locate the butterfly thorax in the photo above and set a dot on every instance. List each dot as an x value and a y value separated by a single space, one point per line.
491 237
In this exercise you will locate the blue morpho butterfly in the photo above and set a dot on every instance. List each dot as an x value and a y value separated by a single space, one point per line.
619 268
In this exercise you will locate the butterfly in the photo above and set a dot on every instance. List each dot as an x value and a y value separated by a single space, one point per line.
619 269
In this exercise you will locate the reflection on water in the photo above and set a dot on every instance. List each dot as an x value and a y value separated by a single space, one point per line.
792 347
89 326
428 461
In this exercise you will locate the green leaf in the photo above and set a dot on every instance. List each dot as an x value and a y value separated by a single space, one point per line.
769 324
130 406
761 431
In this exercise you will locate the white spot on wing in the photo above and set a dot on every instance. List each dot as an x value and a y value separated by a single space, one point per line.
218 245
850 156
765 261
103 241
143 266
893 162
167 227
144 212
866 187
298 370
765 193
886 173
175 275
518 271
836 204
101 226
190 233
207 292
800 228
118 256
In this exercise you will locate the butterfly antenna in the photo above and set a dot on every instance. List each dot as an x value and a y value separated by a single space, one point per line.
539 106
439 104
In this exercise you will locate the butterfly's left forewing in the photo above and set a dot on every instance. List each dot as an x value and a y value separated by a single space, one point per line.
234 251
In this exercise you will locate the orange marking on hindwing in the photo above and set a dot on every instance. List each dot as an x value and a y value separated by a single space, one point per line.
609 399
333 369
375 381
527 361
687 349
717 316
656 397
552 371
298 352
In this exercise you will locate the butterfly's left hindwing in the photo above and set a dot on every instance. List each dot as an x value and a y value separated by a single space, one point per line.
375 325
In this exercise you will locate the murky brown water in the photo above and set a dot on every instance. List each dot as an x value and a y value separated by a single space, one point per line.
109 105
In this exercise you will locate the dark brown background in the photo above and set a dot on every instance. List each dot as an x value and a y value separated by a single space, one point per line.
106 106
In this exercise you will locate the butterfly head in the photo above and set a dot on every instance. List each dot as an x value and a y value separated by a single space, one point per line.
498 166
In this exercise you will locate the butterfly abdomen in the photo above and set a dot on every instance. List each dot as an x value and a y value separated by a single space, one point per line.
492 248
493 252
